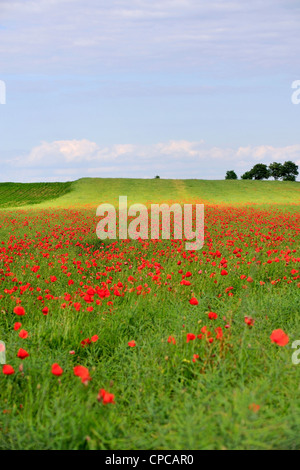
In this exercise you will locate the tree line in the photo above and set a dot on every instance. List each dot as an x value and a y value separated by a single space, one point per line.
286 171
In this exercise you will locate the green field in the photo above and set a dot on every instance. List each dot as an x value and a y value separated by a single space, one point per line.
95 191
21 194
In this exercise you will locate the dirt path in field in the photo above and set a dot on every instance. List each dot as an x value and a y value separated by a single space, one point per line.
180 188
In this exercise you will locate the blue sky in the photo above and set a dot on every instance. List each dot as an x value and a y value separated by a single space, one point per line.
136 88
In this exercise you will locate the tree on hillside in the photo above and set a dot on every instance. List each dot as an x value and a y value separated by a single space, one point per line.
289 171
260 171
231 175
276 170
247 175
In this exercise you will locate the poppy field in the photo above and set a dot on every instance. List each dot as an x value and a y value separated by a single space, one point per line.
139 344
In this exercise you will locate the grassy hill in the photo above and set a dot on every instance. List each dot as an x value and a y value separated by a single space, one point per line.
20 194
94 191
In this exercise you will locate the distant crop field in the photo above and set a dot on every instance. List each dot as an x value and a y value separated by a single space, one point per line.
20 194
95 191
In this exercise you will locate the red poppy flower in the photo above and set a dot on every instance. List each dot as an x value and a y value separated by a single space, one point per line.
56 369
19 310
23 334
249 321
254 407
212 316
105 397
279 337
132 344
172 340
22 354
83 373
185 283
190 337
17 326
8 370
194 301
219 332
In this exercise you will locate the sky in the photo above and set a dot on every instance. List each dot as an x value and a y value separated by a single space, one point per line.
139 88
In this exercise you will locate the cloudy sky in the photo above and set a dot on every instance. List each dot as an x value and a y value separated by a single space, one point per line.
136 88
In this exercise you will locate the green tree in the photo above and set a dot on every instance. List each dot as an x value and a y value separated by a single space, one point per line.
260 171
247 176
289 171
231 175
276 170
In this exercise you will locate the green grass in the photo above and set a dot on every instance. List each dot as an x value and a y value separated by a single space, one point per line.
95 191
22 194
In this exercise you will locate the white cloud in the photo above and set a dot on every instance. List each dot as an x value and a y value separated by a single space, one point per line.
68 150
270 153
71 151
174 159
178 147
